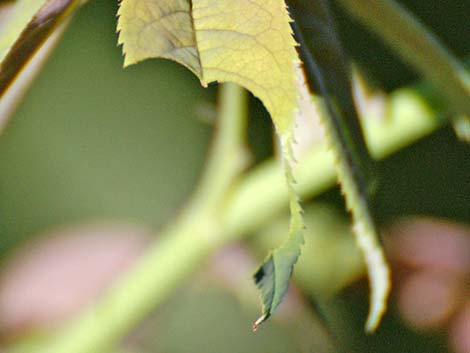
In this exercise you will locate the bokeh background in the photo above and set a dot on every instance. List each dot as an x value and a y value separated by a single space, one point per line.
97 159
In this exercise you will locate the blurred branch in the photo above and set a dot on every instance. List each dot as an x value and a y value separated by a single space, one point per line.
200 230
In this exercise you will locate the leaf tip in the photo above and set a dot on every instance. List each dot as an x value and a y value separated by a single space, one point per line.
378 305
379 277
259 321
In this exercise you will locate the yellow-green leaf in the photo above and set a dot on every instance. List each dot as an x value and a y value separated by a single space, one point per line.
248 42
158 29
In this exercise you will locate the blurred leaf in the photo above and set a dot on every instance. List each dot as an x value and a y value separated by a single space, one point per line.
329 73
21 42
29 26
78 156
421 49
246 42
21 15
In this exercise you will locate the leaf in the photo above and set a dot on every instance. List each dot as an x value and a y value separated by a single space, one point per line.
421 49
248 42
20 16
15 54
328 72
272 277
29 25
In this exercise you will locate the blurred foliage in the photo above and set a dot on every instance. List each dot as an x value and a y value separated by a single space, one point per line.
95 141
447 19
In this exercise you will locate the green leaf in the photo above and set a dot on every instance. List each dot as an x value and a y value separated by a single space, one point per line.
248 42
328 72
418 46
272 278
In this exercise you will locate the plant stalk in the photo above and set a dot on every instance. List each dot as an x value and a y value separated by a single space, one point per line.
253 200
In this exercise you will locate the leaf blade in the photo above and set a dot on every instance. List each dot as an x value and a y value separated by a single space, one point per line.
328 71
158 29
248 42
272 277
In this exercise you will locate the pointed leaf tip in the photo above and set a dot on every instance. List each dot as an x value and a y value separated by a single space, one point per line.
246 42
272 278
328 72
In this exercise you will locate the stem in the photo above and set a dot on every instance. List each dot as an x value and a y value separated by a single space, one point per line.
185 246
228 153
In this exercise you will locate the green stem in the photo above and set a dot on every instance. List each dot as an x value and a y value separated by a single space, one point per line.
419 47
153 279
184 247
229 155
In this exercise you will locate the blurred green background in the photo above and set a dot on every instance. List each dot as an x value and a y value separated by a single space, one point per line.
93 141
